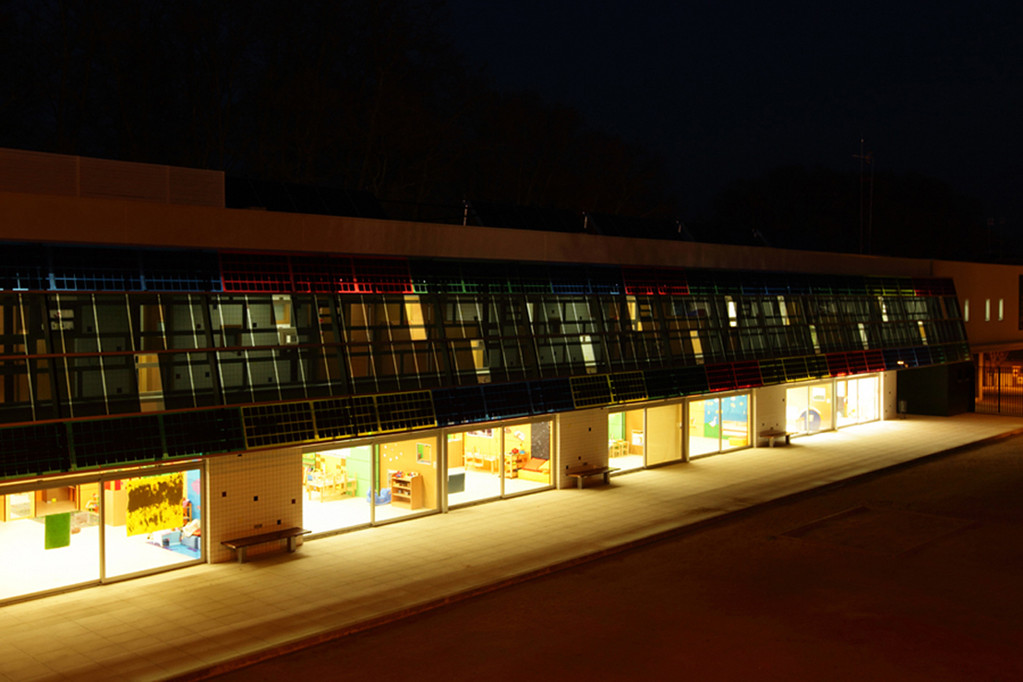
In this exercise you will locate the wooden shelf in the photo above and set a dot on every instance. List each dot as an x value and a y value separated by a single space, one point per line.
407 491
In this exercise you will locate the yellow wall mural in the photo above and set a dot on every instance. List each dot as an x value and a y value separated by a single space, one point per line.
154 503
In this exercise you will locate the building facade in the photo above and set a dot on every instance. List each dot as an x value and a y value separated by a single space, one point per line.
176 374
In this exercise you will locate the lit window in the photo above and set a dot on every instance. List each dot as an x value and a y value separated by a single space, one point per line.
783 310
966 310
1001 309
697 346
733 318
987 309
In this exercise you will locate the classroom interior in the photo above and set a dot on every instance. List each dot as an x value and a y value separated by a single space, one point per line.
79 531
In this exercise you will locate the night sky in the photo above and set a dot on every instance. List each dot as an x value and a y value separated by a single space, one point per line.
731 90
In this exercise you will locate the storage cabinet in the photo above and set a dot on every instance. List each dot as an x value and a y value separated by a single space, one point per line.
407 491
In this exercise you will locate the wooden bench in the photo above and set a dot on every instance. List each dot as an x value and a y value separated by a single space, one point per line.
239 545
775 434
579 476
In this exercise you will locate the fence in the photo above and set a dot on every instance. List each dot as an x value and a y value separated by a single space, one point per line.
1001 390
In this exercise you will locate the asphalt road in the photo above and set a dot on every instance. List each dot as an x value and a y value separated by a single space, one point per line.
915 574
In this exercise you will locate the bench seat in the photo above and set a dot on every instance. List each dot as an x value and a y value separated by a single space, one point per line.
580 476
239 545
775 434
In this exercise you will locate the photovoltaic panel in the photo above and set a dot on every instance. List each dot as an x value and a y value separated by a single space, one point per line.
255 273
23 267
747 374
192 271
334 418
116 441
34 449
322 274
463 405
590 391
796 369
364 415
199 432
405 411
550 395
628 387
838 364
773 371
278 424
654 281
94 269
507 400
382 276
721 377
874 360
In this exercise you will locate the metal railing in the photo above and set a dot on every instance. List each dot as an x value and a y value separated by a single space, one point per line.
1001 390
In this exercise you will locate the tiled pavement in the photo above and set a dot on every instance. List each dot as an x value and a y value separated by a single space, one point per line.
192 622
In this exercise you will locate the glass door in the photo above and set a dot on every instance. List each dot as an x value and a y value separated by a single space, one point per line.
626 439
49 538
335 488
152 521
856 400
809 408
474 465
718 424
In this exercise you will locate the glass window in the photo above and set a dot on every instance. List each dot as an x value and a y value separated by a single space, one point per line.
408 478
718 424
808 408
49 538
474 465
152 521
856 400
335 484
527 457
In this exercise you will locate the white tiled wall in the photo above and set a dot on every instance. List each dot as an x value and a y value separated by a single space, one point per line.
889 403
582 442
770 410
252 493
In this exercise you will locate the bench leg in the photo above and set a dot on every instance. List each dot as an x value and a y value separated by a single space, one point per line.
241 554
292 543
579 482
607 478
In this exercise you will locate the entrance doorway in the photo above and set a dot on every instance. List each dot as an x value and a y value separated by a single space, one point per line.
626 439
718 424
857 401
495 462
808 409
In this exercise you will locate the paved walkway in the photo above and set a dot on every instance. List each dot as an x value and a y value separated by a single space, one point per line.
191 622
